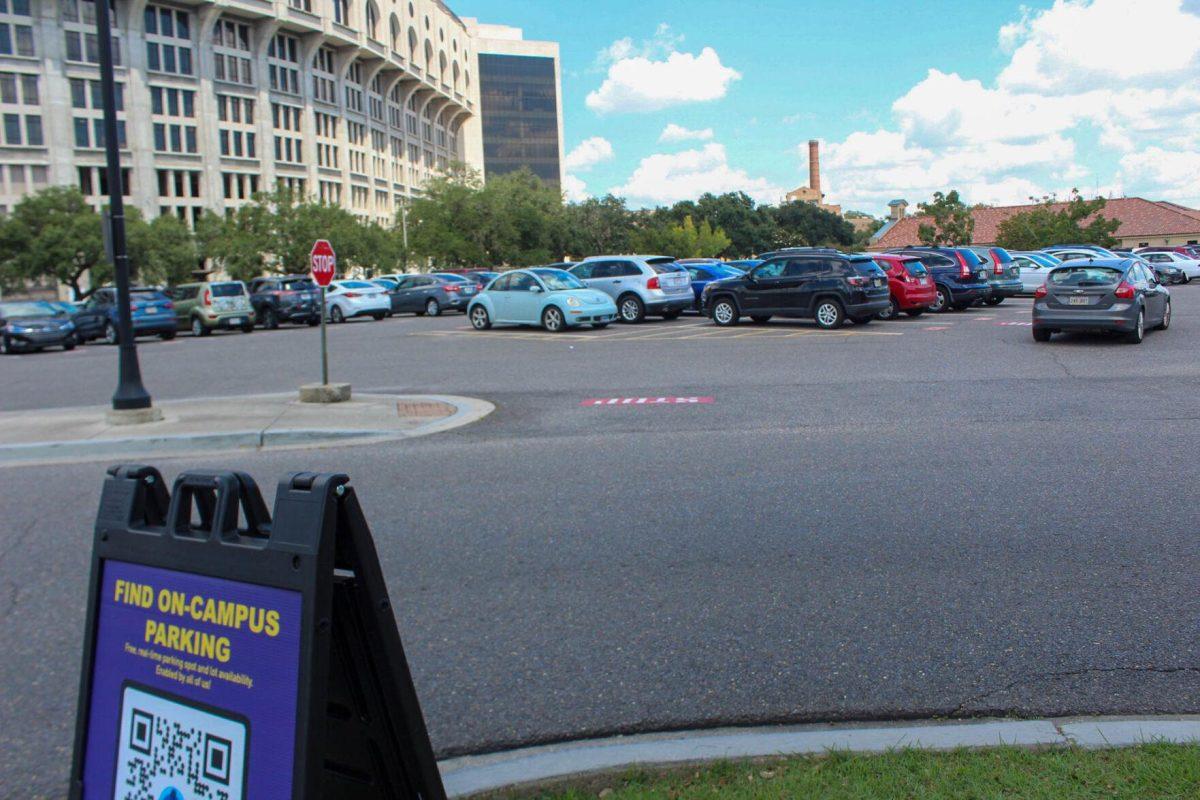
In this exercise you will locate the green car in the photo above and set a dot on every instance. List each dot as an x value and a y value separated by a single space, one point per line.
205 307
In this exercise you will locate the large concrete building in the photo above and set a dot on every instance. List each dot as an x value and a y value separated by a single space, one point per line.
355 102
520 96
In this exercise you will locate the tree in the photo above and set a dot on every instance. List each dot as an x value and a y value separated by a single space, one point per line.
1054 222
799 224
446 223
162 251
686 240
953 224
751 228
597 225
55 235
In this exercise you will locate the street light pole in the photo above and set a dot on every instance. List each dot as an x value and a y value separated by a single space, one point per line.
404 229
130 394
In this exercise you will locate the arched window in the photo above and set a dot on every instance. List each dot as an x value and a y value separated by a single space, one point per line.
442 66
428 55
396 34
341 11
372 18
455 72
412 45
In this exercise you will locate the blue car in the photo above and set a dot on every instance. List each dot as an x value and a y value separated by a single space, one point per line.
551 298
152 311
745 264
706 270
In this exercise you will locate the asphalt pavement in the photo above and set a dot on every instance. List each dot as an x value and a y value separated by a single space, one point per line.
930 517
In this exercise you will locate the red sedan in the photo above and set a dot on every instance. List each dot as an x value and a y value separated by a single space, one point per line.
912 290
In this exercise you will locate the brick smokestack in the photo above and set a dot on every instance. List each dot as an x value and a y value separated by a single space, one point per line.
814 166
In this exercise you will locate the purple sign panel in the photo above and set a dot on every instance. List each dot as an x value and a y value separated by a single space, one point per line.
194 688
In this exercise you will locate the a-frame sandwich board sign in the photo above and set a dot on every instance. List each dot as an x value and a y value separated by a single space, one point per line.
229 655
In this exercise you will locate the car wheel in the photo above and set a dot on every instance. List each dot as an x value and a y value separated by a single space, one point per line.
248 327
724 312
862 320
942 302
669 315
631 309
1138 333
270 319
891 312
480 320
110 333
552 319
994 301
915 312
433 308
314 322
167 336
336 316
1166 320
1185 278
761 318
6 347
829 314
69 343
1041 334
378 317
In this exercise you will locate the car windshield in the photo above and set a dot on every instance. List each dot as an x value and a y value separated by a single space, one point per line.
358 285
450 276
146 295
384 283
1001 255
866 265
301 285
28 310
1085 276
557 280
232 289
665 266
915 268
972 258
723 271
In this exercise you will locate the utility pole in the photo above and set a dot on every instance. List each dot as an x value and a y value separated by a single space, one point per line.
404 230
131 402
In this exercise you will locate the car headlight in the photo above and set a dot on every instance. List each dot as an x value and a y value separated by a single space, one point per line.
67 326
573 302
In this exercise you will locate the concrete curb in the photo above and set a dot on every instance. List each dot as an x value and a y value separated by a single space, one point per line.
466 411
526 767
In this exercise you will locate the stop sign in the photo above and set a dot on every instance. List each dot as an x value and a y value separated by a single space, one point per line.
323 262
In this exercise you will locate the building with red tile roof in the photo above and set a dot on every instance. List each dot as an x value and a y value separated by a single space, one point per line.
1144 223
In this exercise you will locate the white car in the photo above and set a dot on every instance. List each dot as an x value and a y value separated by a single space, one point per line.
1190 267
348 299
1034 266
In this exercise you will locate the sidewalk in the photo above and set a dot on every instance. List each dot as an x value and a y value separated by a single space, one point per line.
268 421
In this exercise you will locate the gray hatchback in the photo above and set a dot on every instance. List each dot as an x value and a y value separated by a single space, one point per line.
1101 294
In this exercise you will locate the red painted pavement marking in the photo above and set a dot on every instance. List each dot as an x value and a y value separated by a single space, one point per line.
938 328
1019 324
646 401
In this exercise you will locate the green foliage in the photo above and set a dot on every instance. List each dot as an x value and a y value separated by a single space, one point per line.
1044 225
800 224
597 225
686 240
952 225
162 251
54 235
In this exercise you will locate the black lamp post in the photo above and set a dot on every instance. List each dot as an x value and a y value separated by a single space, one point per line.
130 394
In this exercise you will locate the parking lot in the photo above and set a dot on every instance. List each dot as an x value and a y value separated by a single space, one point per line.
924 517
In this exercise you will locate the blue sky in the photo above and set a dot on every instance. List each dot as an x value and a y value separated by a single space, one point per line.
999 99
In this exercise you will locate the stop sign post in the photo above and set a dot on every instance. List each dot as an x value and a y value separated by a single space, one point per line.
323 265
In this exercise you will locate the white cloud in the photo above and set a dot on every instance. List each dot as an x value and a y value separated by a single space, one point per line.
1121 74
666 178
663 43
1162 174
637 82
678 133
588 154
575 189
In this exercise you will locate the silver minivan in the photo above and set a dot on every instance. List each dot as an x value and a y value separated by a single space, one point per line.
639 285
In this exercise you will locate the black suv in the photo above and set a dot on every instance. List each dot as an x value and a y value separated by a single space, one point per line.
285 298
959 274
826 286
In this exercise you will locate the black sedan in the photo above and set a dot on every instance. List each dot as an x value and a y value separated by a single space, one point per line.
29 326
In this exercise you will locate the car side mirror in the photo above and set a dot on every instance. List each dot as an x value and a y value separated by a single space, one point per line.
535 289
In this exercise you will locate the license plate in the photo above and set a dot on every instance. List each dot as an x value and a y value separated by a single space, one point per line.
237 320
1079 301
924 281
151 310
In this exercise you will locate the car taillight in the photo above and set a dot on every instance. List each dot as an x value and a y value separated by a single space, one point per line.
351 294
857 280
1040 292
653 283
964 269
207 297
169 305
452 287
1125 291
999 270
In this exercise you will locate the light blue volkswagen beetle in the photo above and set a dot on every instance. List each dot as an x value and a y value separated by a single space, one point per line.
544 296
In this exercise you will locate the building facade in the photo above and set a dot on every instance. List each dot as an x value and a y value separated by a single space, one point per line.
520 96
354 102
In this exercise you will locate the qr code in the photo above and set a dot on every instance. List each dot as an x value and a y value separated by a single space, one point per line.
172 750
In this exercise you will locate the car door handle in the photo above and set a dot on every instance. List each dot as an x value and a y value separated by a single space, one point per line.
617 280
